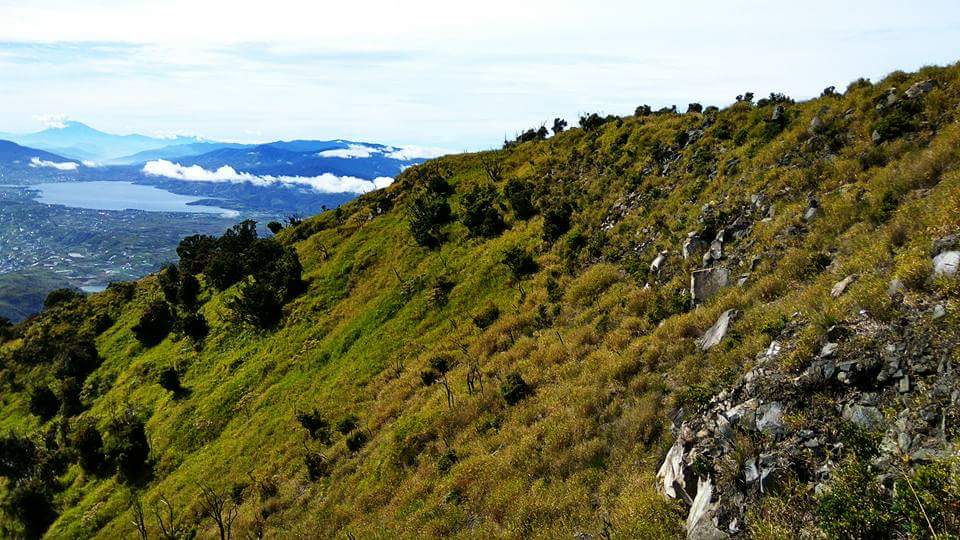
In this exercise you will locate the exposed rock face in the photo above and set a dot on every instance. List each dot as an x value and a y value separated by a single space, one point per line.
718 331
891 377
657 263
707 282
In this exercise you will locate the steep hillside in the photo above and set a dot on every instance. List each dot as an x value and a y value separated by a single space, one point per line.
741 321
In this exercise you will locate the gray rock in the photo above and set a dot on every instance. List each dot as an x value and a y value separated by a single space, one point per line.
920 88
895 288
828 350
777 115
946 243
671 478
875 136
816 125
811 213
693 245
718 331
707 282
946 264
770 419
904 385
841 286
869 418
657 263
939 312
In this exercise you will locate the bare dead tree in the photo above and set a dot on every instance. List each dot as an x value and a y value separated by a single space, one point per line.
493 168
163 511
222 508
139 519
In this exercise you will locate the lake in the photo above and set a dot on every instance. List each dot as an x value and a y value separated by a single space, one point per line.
100 195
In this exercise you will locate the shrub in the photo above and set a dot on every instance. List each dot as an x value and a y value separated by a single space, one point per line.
480 214
127 448
194 326
18 456
189 290
559 125
155 323
275 227
447 460
224 269
556 219
427 212
31 503
356 441
519 194
257 304
347 424
60 297
519 262
70 402
169 280
317 465
87 442
486 316
514 388
77 358
316 425
169 380
43 402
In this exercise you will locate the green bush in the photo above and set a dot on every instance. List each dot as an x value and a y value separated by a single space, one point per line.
87 442
427 212
257 304
60 297
169 380
556 218
155 323
43 402
194 326
316 425
480 213
519 194
317 465
347 424
356 440
519 262
127 448
486 316
514 388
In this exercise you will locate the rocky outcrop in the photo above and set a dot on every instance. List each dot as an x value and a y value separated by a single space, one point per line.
893 378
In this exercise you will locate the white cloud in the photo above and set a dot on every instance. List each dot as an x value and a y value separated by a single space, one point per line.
325 183
416 152
351 151
55 121
90 164
65 166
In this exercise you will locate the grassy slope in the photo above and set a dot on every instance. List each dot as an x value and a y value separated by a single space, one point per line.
22 293
580 454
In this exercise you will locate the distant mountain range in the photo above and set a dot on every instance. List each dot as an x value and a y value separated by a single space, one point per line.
298 175
79 141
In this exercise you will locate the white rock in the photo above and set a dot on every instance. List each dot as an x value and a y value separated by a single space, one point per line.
718 331
670 476
946 264
700 524
841 286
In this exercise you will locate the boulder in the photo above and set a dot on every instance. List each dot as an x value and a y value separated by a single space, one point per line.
816 125
920 88
946 264
939 312
841 286
707 282
770 419
671 478
869 418
718 331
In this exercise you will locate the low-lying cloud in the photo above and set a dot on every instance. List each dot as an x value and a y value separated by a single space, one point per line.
403 153
65 166
325 183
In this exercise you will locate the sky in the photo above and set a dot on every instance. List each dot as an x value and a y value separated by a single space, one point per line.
442 74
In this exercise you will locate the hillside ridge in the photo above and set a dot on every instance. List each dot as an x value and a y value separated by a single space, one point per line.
715 323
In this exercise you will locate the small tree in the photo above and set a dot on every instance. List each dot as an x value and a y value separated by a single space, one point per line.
519 194
169 380
519 262
222 507
87 442
356 441
427 212
480 214
556 219
169 280
514 388
126 446
195 251
155 323
194 326
316 425
347 424
60 297
559 125
275 227
257 304
188 291
43 402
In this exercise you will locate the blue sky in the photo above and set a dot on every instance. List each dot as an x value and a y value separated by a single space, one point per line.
442 74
